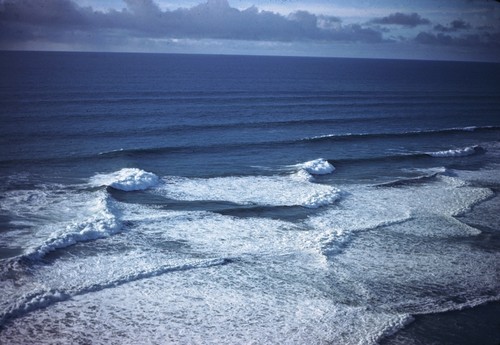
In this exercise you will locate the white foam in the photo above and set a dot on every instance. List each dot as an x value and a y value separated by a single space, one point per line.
368 208
362 134
271 291
220 235
361 210
31 301
258 190
38 205
435 226
89 275
318 166
175 291
98 220
417 275
427 171
142 288
307 170
446 195
302 175
214 303
473 128
55 216
460 152
489 175
127 179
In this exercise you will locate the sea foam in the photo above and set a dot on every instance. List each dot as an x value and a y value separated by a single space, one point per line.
247 309
247 190
99 220
127 179
460 152
105 276
424 205
55 216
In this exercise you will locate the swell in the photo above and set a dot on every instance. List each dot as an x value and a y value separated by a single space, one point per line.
413 156
317 139
165 129
239 98
429 132
275 144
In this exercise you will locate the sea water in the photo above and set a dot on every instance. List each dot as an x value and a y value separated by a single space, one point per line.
191 199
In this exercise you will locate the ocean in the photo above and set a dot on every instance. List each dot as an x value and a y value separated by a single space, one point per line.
205 199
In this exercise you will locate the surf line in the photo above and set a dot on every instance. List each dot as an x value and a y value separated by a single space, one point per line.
44 298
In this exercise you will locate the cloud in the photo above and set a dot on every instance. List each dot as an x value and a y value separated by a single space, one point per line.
44 13
454 26
483 40
60 20
142 7
402 19
216 27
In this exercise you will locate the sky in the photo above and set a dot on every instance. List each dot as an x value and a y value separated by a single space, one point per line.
392 29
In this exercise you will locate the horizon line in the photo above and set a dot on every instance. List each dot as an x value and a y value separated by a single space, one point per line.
243 55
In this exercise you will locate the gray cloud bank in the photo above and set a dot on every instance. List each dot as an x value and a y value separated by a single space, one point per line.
64 22
454 26
47 19
411 20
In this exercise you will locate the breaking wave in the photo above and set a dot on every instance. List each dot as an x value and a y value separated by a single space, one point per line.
318 166
349 136
102 221
127 179
225 147
460 152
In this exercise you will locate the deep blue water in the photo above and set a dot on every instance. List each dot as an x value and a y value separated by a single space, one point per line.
239 199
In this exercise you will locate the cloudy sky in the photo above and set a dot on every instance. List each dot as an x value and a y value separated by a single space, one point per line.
409 29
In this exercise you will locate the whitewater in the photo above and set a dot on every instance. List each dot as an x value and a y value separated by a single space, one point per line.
211 203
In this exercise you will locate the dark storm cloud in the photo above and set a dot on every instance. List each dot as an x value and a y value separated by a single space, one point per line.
29 19
454 26
43 13
403 19
54 19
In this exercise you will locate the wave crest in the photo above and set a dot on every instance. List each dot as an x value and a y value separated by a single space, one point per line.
318 166
460 152
127 179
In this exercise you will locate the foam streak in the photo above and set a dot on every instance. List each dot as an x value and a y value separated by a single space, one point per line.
45 298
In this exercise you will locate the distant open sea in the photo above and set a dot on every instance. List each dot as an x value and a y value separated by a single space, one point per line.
202 199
